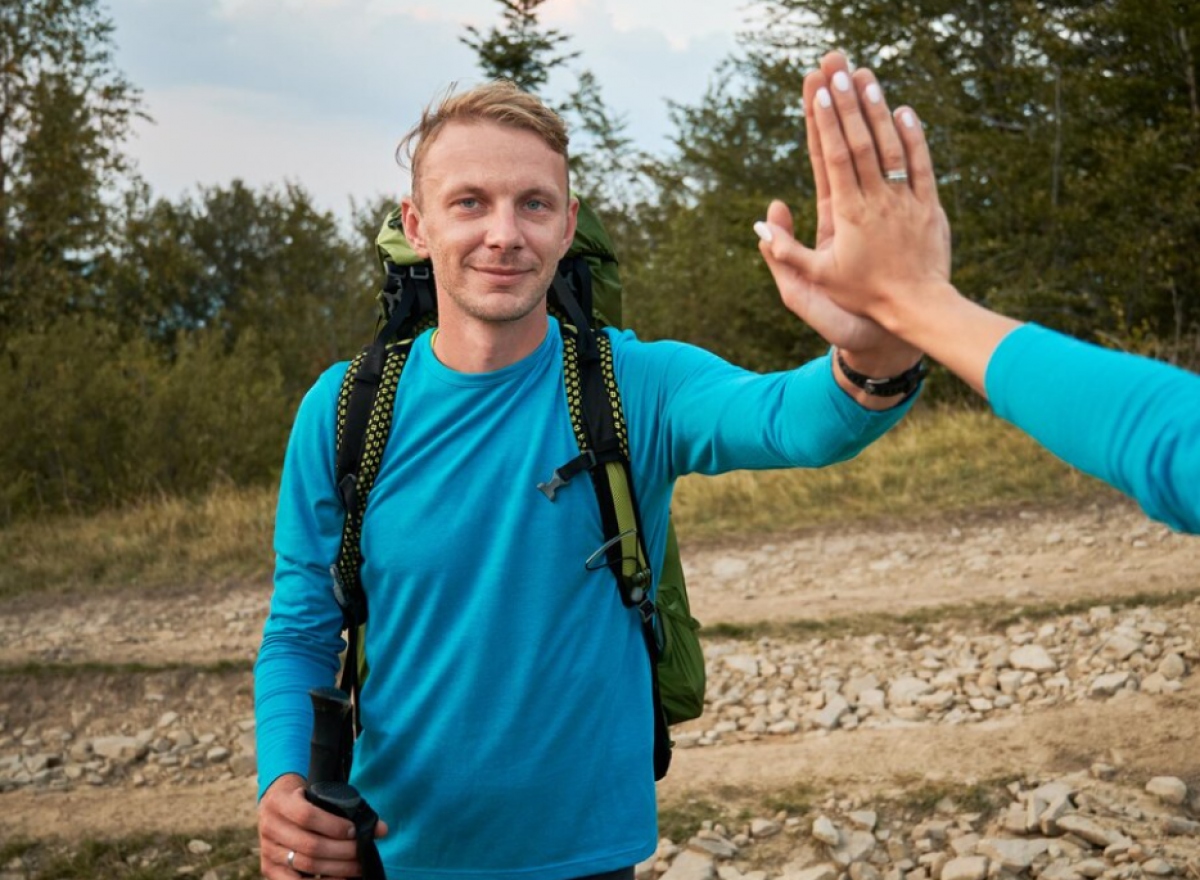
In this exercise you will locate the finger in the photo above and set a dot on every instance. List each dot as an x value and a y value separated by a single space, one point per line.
920 163
785 257
812 82
326 865
780 216
836 161
859 140
892 155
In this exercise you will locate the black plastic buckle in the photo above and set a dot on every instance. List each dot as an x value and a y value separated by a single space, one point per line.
585 461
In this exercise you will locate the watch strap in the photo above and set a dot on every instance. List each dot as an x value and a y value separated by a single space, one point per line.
902 383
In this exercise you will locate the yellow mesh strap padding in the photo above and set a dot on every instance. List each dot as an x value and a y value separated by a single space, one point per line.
379 426
616 473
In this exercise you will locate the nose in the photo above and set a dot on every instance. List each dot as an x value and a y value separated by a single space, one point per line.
504 230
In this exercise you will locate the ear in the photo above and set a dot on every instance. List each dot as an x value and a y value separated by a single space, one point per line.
410 216
572 222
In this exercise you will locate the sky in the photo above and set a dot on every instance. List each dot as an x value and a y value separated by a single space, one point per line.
319 92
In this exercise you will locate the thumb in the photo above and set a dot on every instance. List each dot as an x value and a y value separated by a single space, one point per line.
779 214
783 254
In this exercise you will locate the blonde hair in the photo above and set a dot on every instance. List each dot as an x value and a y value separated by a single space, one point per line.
501 102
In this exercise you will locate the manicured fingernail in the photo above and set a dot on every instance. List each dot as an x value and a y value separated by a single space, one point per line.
823 97
908 119
763 231
874 93
841 82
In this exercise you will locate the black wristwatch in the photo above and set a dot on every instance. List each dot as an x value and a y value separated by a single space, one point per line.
904 383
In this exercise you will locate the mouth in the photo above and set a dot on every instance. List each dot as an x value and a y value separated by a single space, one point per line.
502 274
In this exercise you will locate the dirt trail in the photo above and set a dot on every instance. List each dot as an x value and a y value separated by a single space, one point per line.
1026 558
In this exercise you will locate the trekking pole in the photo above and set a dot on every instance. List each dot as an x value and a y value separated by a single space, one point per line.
328 749
328 772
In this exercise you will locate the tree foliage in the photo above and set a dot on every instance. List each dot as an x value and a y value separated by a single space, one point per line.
64 112
151 345
1066 135
521 49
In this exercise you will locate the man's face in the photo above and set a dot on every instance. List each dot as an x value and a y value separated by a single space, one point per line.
495 216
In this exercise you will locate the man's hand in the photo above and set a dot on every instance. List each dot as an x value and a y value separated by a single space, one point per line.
318 843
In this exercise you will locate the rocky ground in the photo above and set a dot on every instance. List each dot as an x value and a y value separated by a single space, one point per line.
998 696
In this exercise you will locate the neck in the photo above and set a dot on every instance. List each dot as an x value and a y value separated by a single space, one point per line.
481 347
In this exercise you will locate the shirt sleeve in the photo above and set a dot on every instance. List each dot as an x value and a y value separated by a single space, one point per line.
1128 420
712 417
302 637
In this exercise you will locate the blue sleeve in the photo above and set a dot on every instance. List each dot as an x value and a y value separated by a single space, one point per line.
1130 421
302 637
713 417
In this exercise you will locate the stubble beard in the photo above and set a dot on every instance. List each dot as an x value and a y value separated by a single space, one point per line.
502 308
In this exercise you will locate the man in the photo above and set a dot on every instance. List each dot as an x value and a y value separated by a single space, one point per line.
507 719
1130 421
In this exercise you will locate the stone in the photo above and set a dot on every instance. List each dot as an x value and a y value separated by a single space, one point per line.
1176 825
1108 684
1014 855
835 707
864 871
905 690
856 846
1033 658
1157 867
692 865
741 663
714 845
763 828
965 868
1087 829
864 819
1120 647
1091 867
1168 789
1172 667
825 831
816 872
119 748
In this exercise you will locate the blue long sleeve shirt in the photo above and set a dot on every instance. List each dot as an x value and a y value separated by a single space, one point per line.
507 719
1130 421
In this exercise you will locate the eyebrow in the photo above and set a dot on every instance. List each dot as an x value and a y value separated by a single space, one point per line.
547 195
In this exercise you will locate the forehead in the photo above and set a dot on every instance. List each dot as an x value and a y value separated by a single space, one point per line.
490 155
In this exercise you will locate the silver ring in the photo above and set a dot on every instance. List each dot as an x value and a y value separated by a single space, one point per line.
291 859
900 176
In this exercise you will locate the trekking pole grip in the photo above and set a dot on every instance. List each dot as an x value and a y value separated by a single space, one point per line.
328 748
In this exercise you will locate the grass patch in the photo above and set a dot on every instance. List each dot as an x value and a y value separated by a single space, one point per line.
233 856
52 671
161 544
921 798
935 462
938 461
795 800
680 820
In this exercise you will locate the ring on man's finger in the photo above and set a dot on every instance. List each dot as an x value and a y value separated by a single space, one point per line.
897 176
291 859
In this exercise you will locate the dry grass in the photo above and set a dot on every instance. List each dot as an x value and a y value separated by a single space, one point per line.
938 461
163 543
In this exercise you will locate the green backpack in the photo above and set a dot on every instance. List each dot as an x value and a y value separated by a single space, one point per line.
585 295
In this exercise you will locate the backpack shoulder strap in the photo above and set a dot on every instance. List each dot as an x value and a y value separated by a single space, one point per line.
598 420
364 420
